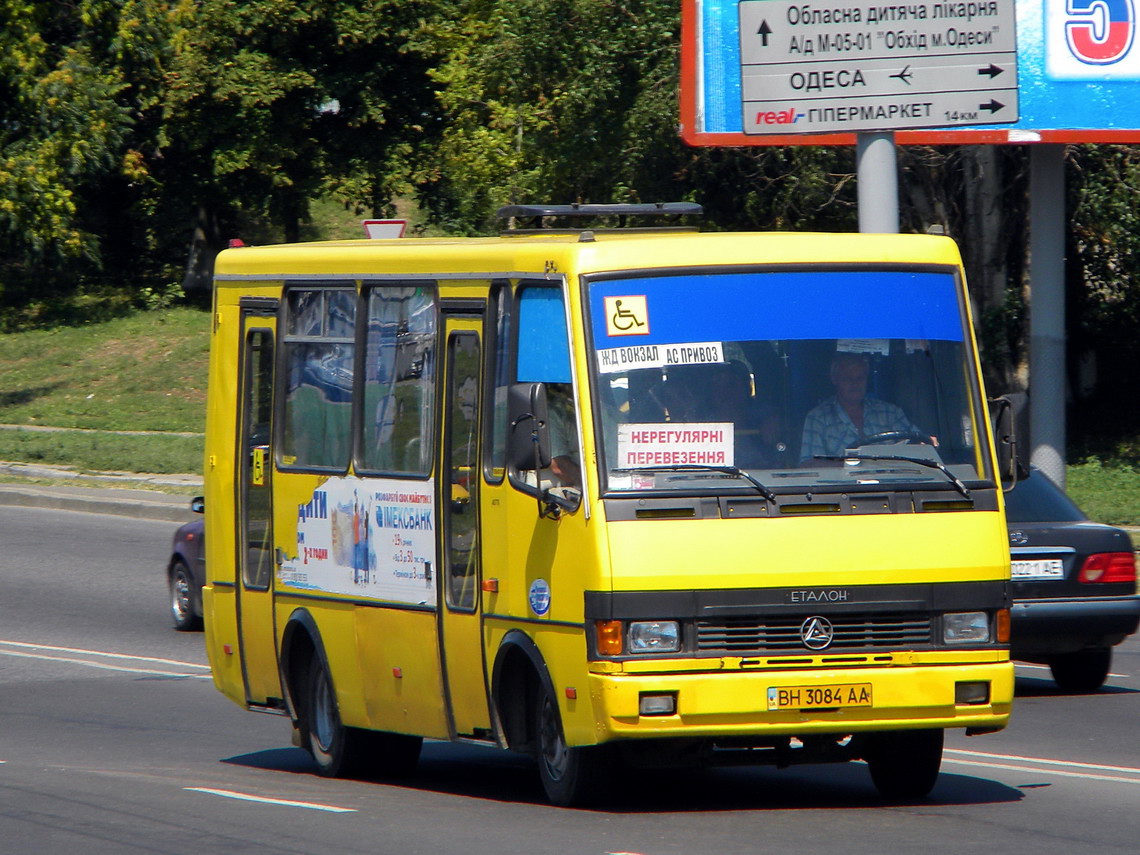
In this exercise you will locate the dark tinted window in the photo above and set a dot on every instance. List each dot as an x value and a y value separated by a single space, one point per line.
1037 499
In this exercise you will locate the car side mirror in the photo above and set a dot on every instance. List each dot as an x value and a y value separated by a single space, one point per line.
528 440
1005 440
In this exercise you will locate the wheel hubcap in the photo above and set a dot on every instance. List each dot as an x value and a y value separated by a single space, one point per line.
323 725
552 745
180 602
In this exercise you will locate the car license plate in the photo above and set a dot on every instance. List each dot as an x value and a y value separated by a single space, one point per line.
819 697
1038 568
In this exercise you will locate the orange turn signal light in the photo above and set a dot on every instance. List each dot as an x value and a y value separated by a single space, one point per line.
609 637
1003 624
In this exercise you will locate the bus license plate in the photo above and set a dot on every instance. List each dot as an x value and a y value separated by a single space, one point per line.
1040 568
819 697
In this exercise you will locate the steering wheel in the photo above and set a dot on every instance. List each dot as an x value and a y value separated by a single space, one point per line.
911 438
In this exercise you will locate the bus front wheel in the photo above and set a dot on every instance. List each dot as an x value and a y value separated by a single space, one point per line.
570 776
904 764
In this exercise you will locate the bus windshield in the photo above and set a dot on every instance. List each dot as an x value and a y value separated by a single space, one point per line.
814 380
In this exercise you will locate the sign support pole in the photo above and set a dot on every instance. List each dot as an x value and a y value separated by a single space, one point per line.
1047 309
877 182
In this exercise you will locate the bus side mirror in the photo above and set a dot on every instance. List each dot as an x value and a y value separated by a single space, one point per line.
528 441
198 505
1005 440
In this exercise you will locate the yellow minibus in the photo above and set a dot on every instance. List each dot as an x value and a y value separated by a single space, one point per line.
609 497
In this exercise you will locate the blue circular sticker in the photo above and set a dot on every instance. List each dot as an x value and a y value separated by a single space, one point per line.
539 597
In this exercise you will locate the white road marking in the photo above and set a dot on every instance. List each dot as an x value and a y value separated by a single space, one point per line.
101 666
246 797
1041 766
1033 667
49 652
105 653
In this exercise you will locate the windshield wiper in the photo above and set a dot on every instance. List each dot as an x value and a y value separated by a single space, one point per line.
703 467
931 464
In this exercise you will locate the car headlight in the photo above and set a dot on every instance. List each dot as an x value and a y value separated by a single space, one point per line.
965 628
654 636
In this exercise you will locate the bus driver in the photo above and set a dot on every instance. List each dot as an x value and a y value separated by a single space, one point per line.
849 415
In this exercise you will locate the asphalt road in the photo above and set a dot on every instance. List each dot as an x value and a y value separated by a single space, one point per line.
113 740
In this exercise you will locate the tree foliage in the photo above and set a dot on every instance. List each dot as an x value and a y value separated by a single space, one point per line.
576 101
1103 298
136 136
138 130
63 127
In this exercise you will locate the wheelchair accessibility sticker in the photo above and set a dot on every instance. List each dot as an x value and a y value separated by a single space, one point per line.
627 316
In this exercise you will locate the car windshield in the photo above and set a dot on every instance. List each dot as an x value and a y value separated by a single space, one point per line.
810 380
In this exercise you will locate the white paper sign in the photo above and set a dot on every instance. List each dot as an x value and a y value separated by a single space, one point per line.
614 359
675 444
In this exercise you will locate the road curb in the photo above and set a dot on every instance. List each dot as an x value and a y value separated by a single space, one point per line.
139 504
128 500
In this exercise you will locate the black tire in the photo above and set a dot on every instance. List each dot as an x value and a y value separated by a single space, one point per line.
570 776
904 764
340 751
182 598
1083 671
335 748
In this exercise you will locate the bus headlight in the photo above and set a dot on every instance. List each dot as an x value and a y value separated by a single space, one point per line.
965 628
656 636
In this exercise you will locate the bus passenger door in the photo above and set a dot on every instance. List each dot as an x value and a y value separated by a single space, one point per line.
254 499
460 612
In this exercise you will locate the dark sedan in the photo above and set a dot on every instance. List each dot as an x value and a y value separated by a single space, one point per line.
1074 585
186 572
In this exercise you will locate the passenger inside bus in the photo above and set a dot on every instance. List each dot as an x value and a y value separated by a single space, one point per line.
849 416
723 392
565 469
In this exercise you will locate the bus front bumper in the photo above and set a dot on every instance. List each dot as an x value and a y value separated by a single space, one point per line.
798 702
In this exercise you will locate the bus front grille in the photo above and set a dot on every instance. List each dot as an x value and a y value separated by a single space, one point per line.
758 635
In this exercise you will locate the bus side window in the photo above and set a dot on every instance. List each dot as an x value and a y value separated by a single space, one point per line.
499 344
544 357
319 354
399 380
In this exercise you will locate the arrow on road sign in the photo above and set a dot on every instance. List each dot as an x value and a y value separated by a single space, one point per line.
764 32
993 106
993 71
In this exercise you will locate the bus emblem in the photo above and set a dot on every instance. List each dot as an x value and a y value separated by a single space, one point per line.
539 597
817 632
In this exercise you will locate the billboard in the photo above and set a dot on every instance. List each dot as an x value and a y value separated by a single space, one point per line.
1078 69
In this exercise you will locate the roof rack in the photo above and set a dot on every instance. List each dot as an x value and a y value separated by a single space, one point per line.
624 212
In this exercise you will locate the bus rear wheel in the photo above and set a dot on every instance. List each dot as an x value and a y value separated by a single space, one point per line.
904 764
330 742
341 751
570 776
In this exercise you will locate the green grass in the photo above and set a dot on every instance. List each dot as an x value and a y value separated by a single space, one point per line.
97 451
1109 494
142 372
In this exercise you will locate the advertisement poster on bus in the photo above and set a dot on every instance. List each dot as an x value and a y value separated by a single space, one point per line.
366 538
